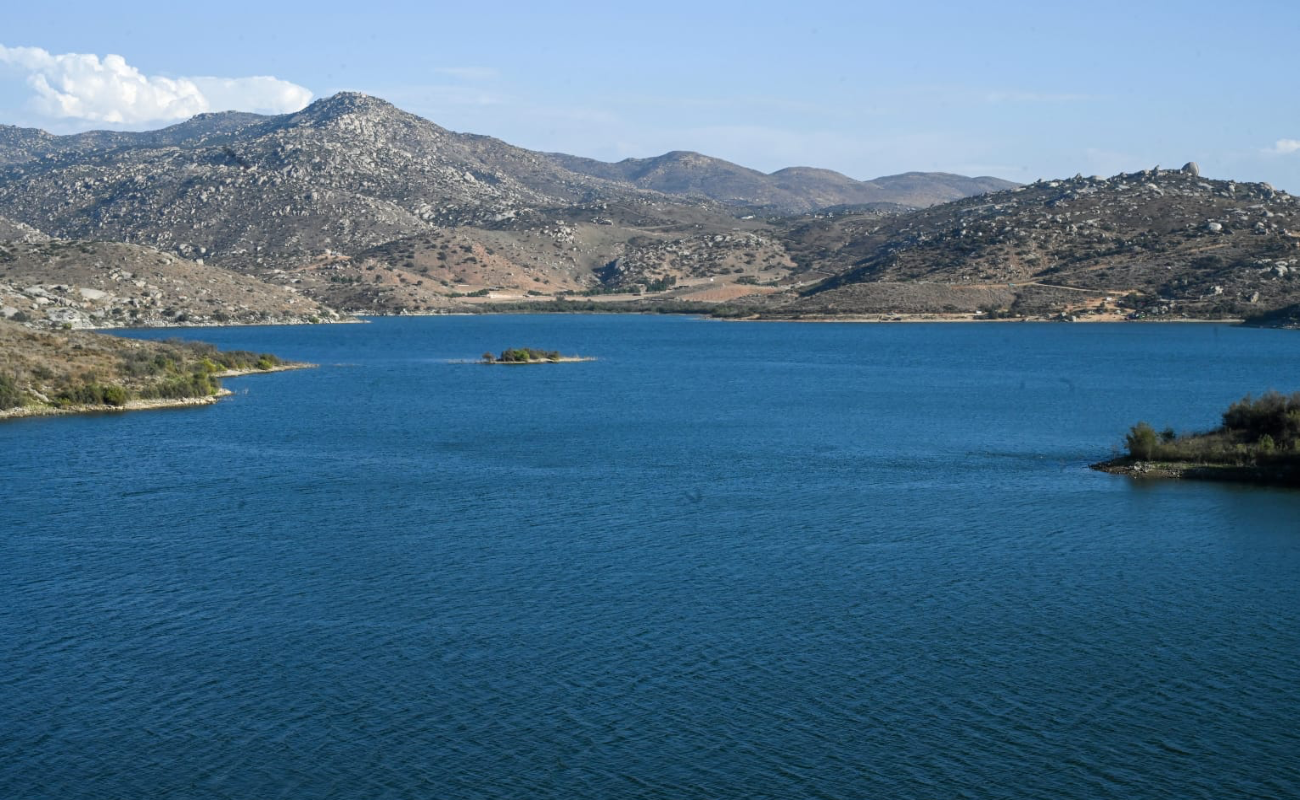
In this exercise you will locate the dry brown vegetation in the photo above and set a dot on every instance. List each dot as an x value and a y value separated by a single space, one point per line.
55 284
58 369
1157 243
362 207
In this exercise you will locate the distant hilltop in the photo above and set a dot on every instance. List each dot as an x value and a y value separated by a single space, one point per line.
353 206
1155 243
790 190
365 208
353 171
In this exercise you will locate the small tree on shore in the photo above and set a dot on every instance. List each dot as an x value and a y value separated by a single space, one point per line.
1141 441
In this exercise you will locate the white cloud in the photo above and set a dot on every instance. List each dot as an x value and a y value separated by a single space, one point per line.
262 94
1286 146
85 87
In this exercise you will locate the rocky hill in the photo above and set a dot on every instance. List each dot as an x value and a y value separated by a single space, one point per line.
606 250
1156 242
11 231
357 205
1284 317
346 173
352 172
794 190
56 284
19 145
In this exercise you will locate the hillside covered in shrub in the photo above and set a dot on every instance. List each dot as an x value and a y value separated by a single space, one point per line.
1258 440
42 371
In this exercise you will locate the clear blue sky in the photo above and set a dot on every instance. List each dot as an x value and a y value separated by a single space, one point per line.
1017 90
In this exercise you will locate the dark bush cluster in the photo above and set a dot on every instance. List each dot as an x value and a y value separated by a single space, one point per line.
10 395
195 384
1274 414
522 355
180 358
182 369
143 364
1254 431
92 394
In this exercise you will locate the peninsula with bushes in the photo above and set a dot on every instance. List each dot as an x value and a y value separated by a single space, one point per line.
529 355
1257 442
69 372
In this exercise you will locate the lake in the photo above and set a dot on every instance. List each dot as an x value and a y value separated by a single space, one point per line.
722 561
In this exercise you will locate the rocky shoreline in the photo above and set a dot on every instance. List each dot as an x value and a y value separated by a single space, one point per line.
24 412
131 405
1281 475
286 367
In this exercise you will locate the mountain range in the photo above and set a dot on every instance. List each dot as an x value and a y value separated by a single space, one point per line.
786 191
1154 242
352 171
354 205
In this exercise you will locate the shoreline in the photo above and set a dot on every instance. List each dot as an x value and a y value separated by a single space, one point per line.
25 412
1281 475
872 318
285 367
896 319
560 360
203 325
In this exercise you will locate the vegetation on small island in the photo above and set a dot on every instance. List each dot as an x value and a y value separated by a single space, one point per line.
41 372
528 355
1258 441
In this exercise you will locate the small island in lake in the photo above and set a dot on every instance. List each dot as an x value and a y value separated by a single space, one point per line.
1258 442
529 355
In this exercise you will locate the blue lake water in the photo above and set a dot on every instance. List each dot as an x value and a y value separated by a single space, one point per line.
723 561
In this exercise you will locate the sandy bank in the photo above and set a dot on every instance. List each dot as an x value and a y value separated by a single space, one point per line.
286 367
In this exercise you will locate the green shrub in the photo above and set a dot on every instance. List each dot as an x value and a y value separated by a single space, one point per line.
91 394
1273 413
1141 441
1253 430
113 396
10 395
178 387
519 355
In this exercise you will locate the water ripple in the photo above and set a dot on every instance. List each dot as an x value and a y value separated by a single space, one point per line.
734 561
